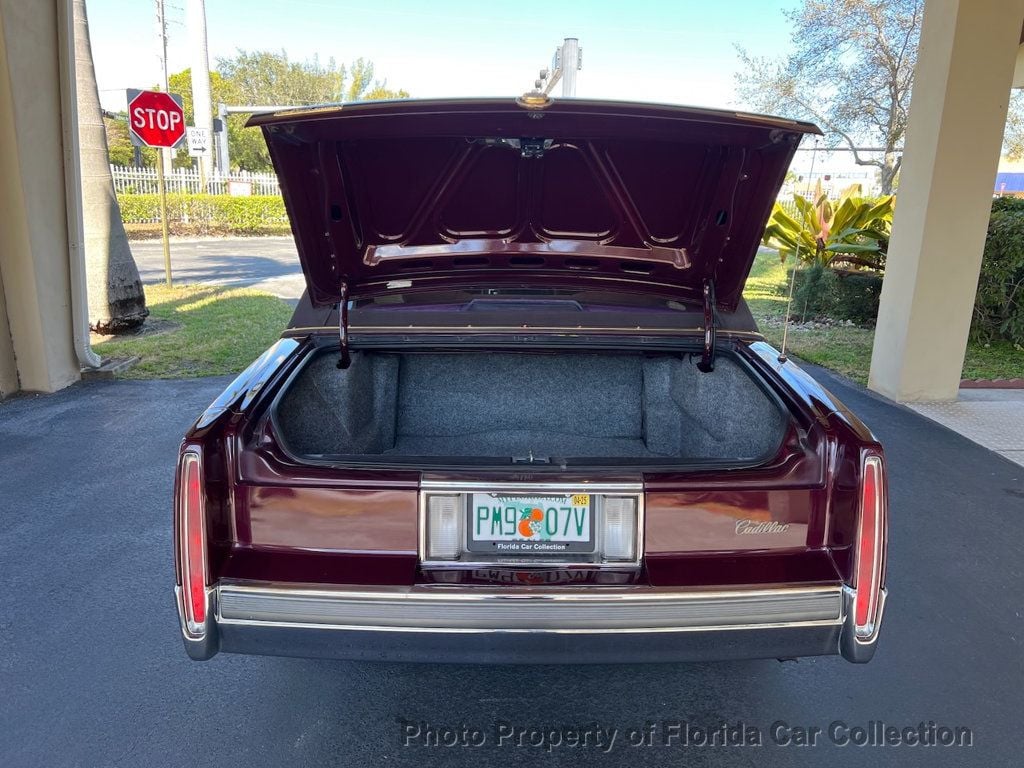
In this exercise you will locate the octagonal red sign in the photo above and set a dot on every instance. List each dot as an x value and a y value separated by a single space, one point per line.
155 118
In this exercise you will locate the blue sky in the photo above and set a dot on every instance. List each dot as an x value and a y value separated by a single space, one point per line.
679 51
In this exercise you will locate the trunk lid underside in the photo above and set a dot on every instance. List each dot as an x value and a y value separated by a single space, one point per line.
423 195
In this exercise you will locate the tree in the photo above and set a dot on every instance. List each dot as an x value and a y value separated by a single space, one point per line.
851 71
116 299
1013 134
119 144
362 86
221 91
265 77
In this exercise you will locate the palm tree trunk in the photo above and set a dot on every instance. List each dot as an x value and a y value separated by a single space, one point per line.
116 299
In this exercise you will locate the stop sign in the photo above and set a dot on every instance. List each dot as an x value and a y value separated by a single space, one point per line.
155 118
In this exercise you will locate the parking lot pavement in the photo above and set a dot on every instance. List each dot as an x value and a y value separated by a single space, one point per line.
92 671
267 263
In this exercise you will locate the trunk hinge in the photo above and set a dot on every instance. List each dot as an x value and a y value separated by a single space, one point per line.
707 358
345 360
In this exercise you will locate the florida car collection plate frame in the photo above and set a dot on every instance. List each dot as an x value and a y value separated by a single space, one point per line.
499 524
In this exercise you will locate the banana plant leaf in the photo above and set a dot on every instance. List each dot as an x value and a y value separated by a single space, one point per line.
823 230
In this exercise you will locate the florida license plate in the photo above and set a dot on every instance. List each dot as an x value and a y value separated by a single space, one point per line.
513 525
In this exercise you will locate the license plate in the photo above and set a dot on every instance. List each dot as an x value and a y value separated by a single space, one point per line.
500 524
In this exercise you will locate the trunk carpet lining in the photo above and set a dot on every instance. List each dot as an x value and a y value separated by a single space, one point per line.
565 405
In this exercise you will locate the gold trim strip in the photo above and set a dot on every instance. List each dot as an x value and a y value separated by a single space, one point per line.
383 329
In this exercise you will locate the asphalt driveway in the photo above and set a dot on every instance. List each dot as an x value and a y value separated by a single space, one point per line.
92 671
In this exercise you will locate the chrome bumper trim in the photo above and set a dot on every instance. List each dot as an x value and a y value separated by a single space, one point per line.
430 609
472 625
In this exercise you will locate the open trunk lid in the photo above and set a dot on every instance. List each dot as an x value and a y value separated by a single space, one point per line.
421 195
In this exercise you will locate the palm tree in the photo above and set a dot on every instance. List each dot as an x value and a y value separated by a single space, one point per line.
116 299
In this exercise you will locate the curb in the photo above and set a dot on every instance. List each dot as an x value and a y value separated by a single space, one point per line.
992 384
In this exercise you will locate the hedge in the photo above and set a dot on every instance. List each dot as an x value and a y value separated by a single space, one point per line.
205 214
999 304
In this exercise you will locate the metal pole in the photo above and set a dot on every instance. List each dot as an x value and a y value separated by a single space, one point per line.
223 153
223 110
161 31
570 64
162 188
202 116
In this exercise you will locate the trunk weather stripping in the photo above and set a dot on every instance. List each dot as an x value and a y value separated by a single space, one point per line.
707 358
345 358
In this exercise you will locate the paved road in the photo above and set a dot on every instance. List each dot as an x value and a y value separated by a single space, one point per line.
268 263
92 671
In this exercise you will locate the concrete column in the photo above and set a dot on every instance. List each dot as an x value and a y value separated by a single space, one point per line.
965 67
8 363
1018 70
34 271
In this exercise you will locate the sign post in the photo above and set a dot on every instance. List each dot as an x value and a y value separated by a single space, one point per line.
161 187
156 119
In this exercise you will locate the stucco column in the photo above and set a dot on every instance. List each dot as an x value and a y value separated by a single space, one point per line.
965 67
37 352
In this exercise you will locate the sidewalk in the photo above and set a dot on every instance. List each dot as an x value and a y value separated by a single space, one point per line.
993 418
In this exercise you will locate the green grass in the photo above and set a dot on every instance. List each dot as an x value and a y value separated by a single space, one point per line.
767 289
998 360
199 330
846 349
206 330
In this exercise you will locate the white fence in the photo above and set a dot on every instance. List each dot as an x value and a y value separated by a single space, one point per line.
187 181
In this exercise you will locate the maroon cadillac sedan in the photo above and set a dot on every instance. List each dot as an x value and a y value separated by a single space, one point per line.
522 413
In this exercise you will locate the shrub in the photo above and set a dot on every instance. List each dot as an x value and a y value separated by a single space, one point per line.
206 214
838 294
999 304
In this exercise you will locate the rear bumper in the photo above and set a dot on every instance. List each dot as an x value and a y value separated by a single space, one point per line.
442 624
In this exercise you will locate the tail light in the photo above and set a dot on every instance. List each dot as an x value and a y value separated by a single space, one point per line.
192 542
869 562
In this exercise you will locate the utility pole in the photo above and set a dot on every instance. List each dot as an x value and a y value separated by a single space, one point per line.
161 31
195 22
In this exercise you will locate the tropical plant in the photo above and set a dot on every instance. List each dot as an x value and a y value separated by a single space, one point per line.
853 230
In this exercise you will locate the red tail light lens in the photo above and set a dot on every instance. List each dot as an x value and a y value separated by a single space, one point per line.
192 542
870 547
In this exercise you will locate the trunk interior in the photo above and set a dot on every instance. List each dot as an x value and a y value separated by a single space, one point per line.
518 406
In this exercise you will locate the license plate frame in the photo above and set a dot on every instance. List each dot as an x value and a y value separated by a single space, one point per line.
558 534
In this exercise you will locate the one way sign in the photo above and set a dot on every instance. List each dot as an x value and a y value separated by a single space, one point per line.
198 141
